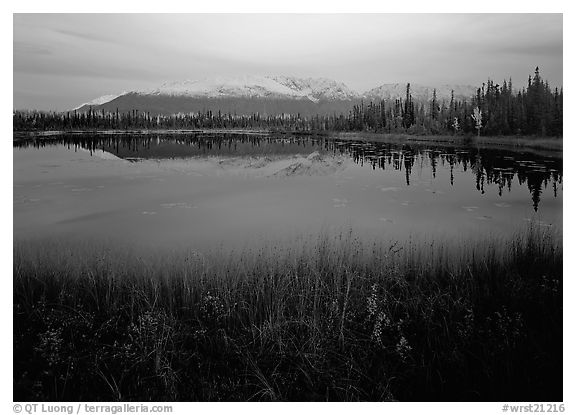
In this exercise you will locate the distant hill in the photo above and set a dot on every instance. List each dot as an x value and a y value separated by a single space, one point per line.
167 104
261 94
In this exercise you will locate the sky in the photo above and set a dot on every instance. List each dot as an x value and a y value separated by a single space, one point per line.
63 60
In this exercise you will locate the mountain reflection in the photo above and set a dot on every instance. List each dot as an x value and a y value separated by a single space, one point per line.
491 167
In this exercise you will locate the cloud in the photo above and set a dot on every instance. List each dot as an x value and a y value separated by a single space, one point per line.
29 48
105 69
85 36
552 49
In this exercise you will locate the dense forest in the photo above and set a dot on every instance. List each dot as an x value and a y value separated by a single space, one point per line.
496 109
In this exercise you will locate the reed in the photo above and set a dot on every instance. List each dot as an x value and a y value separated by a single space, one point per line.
331 318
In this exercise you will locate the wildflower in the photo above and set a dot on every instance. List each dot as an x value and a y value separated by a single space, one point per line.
382 321
212 307
372 301
50 346
403 348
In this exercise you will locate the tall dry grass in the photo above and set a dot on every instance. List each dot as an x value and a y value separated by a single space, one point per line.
331 318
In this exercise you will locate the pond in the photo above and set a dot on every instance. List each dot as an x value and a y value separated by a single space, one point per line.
239 190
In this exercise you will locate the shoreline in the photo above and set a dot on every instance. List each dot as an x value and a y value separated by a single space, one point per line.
515 142
538 143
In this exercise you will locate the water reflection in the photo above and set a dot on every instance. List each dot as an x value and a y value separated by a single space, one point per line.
491 167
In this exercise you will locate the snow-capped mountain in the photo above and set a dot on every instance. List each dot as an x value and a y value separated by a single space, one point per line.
420 92
314 89
99 101
267 95
318 88
238 87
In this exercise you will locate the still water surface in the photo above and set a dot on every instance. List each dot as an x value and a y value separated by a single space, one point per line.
238 190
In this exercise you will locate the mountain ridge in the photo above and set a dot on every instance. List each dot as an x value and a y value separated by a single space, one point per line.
263 94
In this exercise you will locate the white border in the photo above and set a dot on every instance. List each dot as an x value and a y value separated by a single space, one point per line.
301 6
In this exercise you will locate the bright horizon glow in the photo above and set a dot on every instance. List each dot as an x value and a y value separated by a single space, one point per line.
63 60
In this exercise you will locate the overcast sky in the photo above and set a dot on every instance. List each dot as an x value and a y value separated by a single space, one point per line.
63 60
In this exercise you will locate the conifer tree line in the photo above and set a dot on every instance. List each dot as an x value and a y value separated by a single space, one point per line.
495 109
533 110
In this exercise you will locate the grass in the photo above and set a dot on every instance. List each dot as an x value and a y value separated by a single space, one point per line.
332 319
